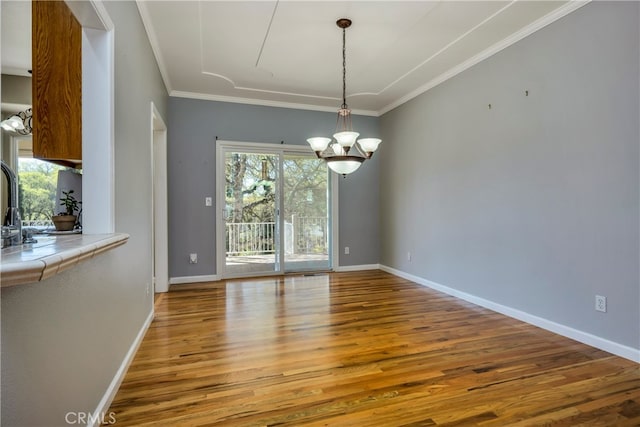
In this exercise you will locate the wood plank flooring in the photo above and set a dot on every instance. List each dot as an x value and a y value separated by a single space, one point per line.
361 349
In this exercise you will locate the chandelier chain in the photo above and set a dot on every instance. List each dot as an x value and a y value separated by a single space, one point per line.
344 68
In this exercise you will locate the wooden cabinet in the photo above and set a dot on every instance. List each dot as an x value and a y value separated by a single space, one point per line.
56 83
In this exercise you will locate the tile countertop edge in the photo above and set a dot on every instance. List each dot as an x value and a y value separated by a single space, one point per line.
72 250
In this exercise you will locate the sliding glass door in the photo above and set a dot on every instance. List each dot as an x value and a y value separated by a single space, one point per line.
275 210
305 181
251 213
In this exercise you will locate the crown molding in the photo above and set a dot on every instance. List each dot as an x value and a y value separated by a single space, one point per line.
91 14
153 41
569 7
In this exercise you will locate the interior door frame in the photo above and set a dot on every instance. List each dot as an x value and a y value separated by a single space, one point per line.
222 146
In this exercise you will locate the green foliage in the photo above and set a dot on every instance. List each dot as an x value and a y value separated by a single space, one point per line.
251 181
71 205
305 187
251 186
37 189
250 192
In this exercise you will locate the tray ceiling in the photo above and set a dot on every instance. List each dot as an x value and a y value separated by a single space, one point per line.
289 53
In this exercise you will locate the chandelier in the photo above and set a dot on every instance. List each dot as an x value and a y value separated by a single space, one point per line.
338 154
19 123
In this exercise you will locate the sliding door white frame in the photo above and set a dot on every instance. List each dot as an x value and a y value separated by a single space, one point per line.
263 148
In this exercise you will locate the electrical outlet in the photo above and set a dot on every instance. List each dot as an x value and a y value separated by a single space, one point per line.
346 250
601 303
409 256
193 258
208 201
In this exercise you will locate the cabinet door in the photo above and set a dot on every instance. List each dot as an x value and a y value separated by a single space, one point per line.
57 83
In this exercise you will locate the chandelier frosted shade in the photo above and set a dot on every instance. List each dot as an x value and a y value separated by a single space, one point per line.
344 165
319 144
19 123
346 138
12 124
338 150
369 145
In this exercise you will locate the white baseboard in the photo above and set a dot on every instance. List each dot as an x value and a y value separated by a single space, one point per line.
575 334
362 267
100 413
193 279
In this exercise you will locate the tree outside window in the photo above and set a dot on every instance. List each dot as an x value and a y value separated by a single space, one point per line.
37 188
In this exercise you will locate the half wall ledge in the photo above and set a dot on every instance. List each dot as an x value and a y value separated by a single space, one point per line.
29 263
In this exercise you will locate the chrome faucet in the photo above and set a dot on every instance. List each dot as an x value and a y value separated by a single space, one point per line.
12 225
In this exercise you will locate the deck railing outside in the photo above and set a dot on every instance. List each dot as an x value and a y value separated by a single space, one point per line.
40 223
303 235
310 235
250 238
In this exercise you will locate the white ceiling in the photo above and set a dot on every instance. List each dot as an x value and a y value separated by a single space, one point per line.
289 52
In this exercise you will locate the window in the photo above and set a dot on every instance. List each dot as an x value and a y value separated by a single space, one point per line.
37 191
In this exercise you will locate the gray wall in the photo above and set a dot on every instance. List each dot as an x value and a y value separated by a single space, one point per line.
533 203
64 339
16 90
193 126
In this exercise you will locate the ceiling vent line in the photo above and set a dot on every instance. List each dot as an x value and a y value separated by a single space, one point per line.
446 47
266 35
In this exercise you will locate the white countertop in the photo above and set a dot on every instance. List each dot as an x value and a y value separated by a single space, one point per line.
51 255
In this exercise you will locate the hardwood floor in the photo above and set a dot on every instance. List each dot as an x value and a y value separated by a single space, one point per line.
361 349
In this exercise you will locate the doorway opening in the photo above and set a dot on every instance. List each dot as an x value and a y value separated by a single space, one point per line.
160 259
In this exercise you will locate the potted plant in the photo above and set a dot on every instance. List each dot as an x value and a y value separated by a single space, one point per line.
66 220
